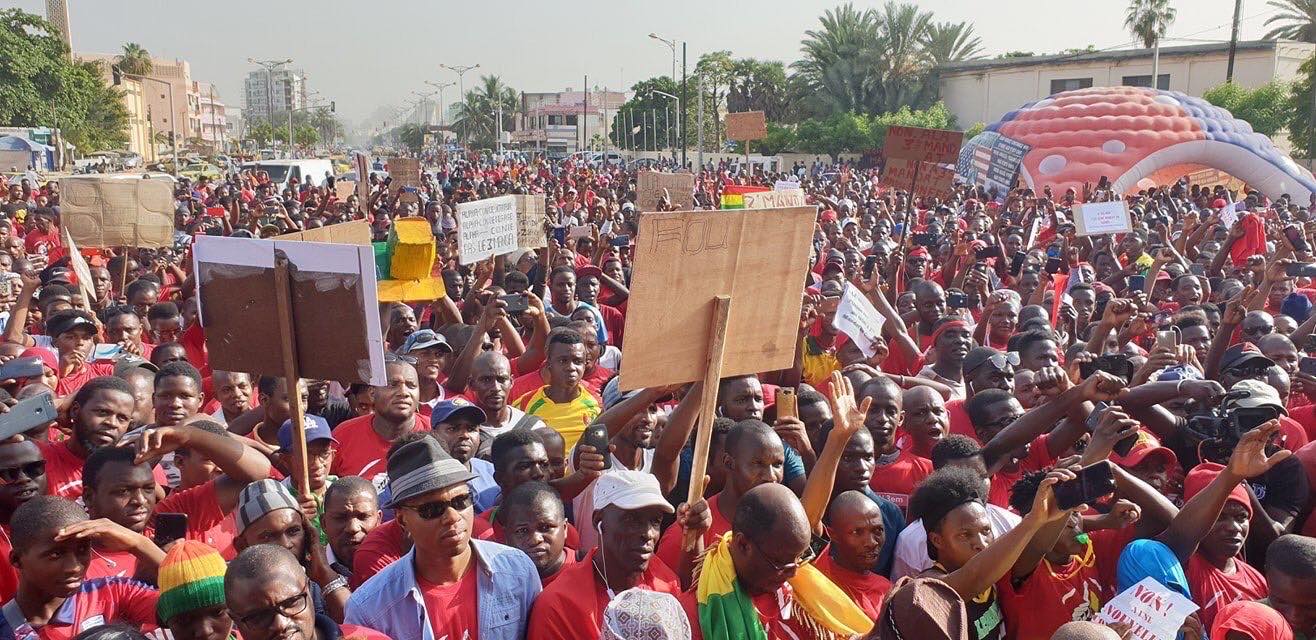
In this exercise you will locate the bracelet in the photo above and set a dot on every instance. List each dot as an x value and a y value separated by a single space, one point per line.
337 583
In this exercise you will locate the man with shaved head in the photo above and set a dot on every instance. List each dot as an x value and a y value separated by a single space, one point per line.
489 386
926 421
854 523
268 596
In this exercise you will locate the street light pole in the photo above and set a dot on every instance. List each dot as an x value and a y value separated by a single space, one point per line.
461 77
440 86
678 121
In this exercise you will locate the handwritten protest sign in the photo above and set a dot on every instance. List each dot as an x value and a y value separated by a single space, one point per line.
773 199
924 145
118 210
530 218
747 125
1100 218
931 180
653 185
405 174
685 259
857 318
782 185
334 302
486 228
1152 611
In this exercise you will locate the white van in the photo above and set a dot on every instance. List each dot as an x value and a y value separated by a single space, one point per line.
312 170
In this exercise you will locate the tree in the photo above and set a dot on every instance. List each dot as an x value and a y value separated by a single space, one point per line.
41 86
260 132
641 123
1016 54
474 117
135 60
758 86
1296 20
947 42
305 135
1300 117
411 135
1148 20
1264 107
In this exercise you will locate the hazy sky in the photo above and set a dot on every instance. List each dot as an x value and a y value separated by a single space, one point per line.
367 54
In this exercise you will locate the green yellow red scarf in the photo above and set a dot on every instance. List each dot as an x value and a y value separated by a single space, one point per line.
726 612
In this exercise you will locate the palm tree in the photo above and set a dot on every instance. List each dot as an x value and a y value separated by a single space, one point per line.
832 67
135 60
475 115
1297 20
1148 20
947 42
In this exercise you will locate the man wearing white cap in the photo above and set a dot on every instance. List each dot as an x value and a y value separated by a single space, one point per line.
628 516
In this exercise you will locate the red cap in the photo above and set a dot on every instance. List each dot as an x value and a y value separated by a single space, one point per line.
1147 446
588 270
1218 203
1203 474
829 216
919 252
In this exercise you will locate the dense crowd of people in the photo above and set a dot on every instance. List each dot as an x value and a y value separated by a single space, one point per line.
1049 419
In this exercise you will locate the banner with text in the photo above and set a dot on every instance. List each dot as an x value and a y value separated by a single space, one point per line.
530 218
992 161
924 145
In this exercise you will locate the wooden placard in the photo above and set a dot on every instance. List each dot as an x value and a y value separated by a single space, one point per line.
343 189
747 125
107 211
685 259
530 218
650 185
355 232
925 145
932 180
333 301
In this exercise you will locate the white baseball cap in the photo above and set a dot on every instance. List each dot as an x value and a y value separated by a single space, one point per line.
629 490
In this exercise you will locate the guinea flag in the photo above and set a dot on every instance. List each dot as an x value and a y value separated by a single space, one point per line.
733 195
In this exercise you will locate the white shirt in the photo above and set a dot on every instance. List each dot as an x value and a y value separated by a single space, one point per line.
912 545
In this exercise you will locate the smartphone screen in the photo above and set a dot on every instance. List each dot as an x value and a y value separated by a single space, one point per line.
596 436
1094 482
170 527
1136 283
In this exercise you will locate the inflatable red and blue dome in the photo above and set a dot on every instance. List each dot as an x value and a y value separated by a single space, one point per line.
1136 136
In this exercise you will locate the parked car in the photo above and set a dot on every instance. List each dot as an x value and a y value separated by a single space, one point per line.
197 170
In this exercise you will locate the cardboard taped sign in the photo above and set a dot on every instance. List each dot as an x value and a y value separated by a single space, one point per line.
118 210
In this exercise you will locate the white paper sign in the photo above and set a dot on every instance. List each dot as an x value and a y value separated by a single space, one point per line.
857 318
486 228
771 199
1101 218
783 185
1152 611
1229 215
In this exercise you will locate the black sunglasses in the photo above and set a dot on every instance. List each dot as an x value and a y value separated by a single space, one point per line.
31 470
437 508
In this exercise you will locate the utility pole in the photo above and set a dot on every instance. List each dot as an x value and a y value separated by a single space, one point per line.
219 138
699 122
440 86
685 100
584 117
1233 40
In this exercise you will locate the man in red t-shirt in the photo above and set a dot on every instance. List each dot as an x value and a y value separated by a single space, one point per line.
537 524
854 523
628 514
48 530
897 471
101 413
23 476
363 441
1217 573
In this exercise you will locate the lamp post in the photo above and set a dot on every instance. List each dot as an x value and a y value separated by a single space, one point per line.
671 44
460 70
440 86
678 111
424 104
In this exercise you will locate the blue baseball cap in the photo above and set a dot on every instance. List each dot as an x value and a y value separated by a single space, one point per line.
316 429
424 339
446 410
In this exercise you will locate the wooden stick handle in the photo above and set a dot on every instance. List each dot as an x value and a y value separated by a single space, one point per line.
717 342
283 296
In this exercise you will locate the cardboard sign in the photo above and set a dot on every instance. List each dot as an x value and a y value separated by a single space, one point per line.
924 145
774 199
343 189
747 125
530 218
355 232
405 172
1152 611
683 259
362 166
857 318
650 185
1100 218
118 210
334 302
931 179
486 228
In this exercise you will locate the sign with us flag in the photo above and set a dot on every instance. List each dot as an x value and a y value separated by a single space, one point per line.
991 160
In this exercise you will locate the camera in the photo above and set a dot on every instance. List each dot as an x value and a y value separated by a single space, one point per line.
1220 429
